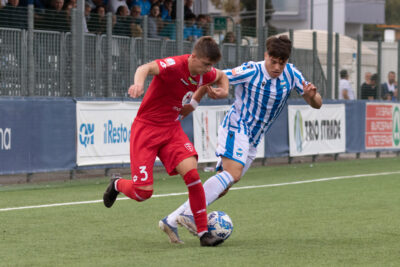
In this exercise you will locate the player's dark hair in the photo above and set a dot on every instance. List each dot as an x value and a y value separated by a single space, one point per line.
279 47
206 47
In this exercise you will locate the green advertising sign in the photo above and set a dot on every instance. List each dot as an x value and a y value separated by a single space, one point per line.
220 23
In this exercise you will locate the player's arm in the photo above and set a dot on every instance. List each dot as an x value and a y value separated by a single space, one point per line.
311 96
137 88
222 89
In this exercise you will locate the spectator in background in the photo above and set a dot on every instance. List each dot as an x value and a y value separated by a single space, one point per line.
229 38
366 85
136 22
345 90
98 22
113 5
54 18
190 30
123 21
154 22
166 10
12 16
96 3
187 9
135 14
145 6
201 22
389 88
88 10
369 90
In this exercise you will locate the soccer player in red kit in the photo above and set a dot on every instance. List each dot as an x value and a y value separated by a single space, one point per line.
156 130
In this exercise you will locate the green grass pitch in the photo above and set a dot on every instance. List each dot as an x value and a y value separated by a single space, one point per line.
343 222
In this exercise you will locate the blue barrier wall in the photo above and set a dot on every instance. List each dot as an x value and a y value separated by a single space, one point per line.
40 135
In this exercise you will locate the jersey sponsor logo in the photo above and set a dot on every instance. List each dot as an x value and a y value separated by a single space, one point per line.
238 70
163 64
170 61
187 97
189 147
184 82
192 81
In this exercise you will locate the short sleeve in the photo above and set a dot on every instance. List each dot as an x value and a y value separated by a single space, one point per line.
241 74
298 79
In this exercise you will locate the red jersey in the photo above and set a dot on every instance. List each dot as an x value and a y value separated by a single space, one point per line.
172 88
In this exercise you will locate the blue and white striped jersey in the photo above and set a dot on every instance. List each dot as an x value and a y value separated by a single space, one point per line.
259 99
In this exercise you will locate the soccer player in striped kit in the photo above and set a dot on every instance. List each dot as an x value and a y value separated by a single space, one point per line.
261 91
157 131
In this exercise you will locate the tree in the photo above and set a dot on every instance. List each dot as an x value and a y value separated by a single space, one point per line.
248 15
392 14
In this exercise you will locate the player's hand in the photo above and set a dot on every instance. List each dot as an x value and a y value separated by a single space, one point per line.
135 90
309 90
216 93
186 110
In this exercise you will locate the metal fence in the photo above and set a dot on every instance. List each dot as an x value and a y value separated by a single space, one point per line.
53 71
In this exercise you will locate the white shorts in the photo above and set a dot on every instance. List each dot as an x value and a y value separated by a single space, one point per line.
235 145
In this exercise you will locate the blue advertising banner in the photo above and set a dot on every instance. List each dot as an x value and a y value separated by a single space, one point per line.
37 135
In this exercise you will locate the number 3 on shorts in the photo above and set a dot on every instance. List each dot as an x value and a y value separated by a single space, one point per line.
142 170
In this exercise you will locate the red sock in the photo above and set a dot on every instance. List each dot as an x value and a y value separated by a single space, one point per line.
197 199
128 189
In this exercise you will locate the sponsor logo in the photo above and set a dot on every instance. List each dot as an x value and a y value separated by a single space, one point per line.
114 134
184 82
189 147
192 81
263 84
298 131
170 61
239 152
238 70
396 126
5 139
86 134
187 97
163 64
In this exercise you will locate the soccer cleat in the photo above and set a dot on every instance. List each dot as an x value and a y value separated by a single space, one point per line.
208 240
110 195
172 232
187 221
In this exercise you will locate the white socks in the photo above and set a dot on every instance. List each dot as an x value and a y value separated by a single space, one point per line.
213 187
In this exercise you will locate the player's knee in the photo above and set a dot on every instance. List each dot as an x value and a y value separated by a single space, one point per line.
142 195
192 177
236 174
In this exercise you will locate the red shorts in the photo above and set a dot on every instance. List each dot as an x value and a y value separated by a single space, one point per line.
169 143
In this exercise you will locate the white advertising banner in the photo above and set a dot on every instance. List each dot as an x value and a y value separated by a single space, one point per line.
317 131
206 120
103 131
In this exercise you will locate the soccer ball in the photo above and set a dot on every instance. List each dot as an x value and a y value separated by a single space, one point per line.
220 224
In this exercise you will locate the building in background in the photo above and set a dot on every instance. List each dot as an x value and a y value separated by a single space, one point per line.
349 16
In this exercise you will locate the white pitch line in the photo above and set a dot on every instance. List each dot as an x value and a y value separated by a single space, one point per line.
185 193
